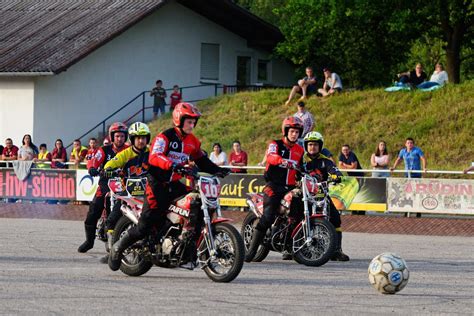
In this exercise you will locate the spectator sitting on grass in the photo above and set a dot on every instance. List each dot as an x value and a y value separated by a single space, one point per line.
413 78
305 87
438 78
332 83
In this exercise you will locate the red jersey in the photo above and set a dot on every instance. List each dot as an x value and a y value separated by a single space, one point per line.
10 152
279 151
90 155
102 155
240 158
175 98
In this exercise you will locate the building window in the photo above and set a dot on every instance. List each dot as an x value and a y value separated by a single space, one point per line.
209 61
262 74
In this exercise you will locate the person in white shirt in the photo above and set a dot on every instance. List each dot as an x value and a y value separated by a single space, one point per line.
217 156
332 84
438 78
307 119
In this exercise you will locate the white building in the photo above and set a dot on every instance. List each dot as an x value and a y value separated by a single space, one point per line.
65 66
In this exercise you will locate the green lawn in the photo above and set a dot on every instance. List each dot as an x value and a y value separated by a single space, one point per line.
441 122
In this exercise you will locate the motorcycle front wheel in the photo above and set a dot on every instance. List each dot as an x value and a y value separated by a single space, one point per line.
225 266
134 262
248 227
322 246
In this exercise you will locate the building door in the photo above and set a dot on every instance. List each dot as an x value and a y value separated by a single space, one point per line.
243 70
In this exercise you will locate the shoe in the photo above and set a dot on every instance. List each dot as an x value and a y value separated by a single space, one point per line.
104 259
257 238
287 102
90 236
302 99
340 256
286 256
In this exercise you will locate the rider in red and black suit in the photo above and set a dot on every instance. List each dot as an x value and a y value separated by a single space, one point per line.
282 156
170 151
118 134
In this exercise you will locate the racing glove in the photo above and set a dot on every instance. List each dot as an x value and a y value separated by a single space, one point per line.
223 172
93 172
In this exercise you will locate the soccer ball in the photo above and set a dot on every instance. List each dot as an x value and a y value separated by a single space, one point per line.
388 273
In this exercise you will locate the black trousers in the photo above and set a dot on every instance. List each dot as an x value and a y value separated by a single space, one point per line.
97 206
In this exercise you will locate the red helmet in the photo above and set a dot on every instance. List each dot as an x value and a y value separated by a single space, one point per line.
291 122
117 127
184 110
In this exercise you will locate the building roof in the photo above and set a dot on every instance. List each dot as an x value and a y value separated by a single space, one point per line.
48 36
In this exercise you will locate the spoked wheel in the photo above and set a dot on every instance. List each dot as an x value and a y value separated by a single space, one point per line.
322 245
134 262
248 227
225 266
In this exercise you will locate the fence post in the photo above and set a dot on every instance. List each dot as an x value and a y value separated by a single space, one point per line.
143 106
215 89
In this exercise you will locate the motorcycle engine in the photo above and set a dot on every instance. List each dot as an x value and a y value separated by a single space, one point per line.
168 245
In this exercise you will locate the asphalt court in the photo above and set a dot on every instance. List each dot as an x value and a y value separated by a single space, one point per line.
41 273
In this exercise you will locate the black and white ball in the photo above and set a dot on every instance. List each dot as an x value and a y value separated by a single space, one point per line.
388 273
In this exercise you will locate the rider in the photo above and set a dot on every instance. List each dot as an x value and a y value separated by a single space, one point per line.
134 164
282 157
322 167
118 134
170 151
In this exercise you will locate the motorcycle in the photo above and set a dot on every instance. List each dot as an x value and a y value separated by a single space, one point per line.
311 241
219 250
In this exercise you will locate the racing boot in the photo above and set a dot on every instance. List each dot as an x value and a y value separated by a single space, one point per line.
90 236
257 238
105 259
286 255
338 254
115 256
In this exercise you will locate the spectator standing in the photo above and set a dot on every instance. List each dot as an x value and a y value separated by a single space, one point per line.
28 150
78 154
217 155
238 157
307 119
348 160
43 156
175 97
10 152
159 96
59 155
332 83
414 77
305 87
413 157
380 160
438 78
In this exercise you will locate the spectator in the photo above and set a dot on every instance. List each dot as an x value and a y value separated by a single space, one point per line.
438 78
238 157
59 155
92 149
348 160
471 168
10 152
307 119
305 87
217 155
159 96
43 156
414 77
412 156
106 141
28 150
332 83
78 154
380 160
175 97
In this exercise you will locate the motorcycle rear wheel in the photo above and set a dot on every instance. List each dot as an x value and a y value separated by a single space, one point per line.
322 247
230 254
134 262
247 229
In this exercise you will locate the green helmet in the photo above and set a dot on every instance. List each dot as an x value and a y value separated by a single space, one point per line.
314 137
139 129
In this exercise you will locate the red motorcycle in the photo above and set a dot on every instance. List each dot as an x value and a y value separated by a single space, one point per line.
311 241
220 248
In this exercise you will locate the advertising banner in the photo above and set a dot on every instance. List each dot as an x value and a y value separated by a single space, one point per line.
41 184
430 196
367 194
86 185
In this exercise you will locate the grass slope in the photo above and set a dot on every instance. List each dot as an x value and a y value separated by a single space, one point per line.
441 122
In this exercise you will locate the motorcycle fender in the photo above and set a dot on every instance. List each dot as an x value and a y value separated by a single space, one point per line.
297 228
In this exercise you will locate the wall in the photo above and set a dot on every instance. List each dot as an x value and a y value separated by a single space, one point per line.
16 109
165 46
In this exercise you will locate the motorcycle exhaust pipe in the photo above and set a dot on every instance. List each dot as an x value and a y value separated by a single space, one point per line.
253 208
127 211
